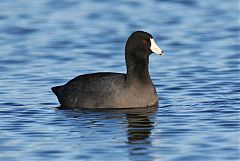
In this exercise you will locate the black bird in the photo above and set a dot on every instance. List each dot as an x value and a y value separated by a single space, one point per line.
116 90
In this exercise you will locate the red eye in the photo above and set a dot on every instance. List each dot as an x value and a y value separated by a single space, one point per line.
144 42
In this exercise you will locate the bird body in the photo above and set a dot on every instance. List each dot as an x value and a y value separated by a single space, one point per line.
115 90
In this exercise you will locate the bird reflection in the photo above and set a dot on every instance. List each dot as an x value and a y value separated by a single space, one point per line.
139 129
140 123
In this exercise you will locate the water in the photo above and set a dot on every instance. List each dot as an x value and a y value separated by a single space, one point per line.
46 43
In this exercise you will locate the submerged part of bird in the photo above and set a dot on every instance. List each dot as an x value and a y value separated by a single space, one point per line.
116 90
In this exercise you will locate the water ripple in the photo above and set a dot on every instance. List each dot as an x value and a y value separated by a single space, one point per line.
46 43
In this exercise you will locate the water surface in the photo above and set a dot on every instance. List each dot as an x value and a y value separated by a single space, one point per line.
45 43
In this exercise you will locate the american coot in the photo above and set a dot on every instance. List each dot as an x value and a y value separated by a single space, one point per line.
116 90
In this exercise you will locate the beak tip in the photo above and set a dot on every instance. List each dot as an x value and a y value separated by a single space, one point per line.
162 53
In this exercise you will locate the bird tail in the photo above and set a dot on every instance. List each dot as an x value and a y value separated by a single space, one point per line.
57 90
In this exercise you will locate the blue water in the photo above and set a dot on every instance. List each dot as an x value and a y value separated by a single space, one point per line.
45 43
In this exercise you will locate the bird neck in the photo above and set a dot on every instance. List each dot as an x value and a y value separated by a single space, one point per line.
137 70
